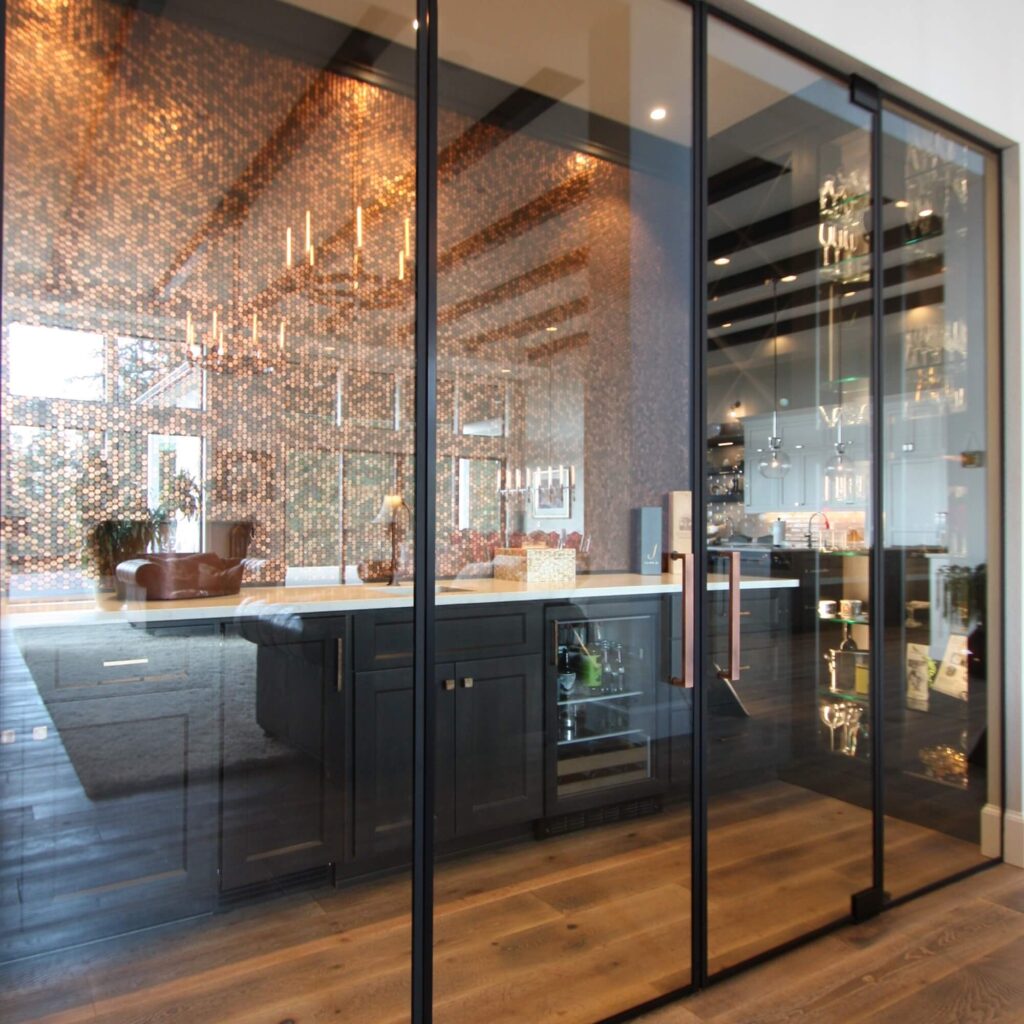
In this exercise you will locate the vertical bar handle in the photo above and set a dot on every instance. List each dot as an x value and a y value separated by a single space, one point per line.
339 679
732 673
688 597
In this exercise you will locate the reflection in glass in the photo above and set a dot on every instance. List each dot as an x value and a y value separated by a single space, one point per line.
207 383
562 757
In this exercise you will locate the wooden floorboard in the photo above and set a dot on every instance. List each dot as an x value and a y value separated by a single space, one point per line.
570 929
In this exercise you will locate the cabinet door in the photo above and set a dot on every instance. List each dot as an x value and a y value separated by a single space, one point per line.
282 792
117 800
382 763
499 742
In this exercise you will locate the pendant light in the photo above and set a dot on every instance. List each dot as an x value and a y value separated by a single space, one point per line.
774 463
840 474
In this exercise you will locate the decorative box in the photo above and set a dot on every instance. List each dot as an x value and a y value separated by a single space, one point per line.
535 565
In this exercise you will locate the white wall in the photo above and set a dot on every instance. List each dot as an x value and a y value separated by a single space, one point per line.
961 61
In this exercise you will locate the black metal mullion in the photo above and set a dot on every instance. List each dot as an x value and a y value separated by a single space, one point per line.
877 518
425 697
698 427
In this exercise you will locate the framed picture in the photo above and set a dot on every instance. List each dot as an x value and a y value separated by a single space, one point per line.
551 500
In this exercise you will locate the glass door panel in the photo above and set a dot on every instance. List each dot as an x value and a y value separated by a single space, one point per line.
788 464
204 206
940 443
562 887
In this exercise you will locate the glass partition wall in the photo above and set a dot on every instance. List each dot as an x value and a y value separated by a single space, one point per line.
789 498
208 364
562 888
209 689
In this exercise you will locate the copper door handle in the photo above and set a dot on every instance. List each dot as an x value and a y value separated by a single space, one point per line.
686 604
732 674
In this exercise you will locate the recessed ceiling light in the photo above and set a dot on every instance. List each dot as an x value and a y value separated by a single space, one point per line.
926 213
551 329
901 204
722 261
789 278
729 324
659 114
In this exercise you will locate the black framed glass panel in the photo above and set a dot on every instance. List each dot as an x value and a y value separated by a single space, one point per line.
941 455
788 474
562 887
207 363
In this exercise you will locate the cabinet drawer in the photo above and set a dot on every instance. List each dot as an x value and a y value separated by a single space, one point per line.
385 639
64 663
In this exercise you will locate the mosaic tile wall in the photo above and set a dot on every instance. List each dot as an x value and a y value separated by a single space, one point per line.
212 198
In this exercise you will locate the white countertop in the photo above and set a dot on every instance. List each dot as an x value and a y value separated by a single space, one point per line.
259 602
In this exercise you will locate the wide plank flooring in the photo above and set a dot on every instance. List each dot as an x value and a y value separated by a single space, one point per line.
571 929
955 956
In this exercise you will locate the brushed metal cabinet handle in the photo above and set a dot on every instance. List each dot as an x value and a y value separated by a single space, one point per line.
467 683
687 599
339 681
449 684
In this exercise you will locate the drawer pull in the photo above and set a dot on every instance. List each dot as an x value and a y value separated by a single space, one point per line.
743 615
449 684
125 661
467 683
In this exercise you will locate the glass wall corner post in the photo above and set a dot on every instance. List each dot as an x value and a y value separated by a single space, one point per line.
425 698
698 448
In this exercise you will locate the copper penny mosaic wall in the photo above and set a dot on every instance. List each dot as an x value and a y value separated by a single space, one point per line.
208 309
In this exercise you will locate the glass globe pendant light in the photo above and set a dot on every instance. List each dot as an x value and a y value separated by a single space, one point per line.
774 463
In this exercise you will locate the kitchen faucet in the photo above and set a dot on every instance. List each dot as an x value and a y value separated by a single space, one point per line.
810 523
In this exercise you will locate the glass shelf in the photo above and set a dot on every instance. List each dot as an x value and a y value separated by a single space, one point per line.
858 698
601 736
845 622
600 698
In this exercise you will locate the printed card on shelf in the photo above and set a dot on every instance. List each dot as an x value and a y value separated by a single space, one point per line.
917 676
952 676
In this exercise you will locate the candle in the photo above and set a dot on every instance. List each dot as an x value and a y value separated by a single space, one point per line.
255 328
280 337
312 256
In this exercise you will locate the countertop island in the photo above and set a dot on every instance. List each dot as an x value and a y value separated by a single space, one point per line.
259 602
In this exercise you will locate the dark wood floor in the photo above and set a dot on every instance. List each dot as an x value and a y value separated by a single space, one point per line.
571 929
955 956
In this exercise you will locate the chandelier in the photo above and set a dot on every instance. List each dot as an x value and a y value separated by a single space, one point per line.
218 354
